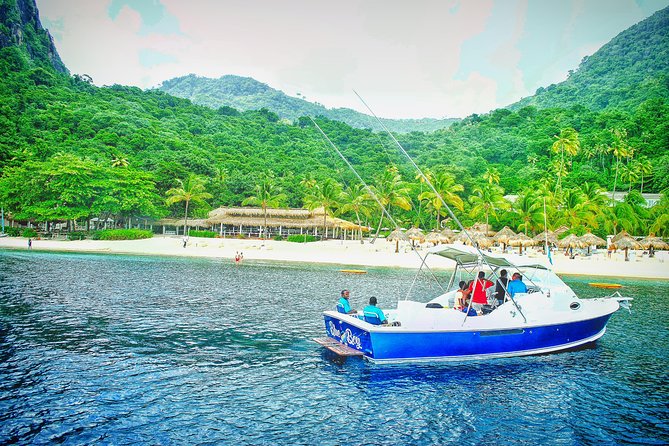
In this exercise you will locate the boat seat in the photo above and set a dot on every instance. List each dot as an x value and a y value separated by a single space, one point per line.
372 318
340 309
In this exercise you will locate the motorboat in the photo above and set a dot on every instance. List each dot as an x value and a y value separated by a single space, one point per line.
549 317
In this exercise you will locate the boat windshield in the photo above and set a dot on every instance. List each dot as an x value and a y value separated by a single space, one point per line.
541 277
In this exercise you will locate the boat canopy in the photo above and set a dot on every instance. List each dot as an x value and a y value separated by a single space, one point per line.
468 256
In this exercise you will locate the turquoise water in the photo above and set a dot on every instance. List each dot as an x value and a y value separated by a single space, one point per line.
141 350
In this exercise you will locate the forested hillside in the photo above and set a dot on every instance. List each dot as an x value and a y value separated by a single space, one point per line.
71 150
245 93
630 69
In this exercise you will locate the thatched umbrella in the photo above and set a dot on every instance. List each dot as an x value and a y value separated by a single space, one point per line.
433 237
447 235
591 239
521 240
627 243
619 235
550 236
396 236
482 227
651 243
503 236
561 230
415 234
570 242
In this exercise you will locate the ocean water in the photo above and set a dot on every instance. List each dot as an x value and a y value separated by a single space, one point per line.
148 350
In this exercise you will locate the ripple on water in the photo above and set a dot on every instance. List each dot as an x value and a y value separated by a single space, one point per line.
140 350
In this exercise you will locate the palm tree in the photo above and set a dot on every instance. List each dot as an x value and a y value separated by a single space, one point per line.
629 174
268 195
326 195
567 142
486 200
446 188
530 211
644 169
391 191
191 190
619 150
575 210
491 175
119 160
356 199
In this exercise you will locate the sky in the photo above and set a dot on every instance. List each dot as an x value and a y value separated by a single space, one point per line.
406 59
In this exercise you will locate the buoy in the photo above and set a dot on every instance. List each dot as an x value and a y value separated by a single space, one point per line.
605 285
353 271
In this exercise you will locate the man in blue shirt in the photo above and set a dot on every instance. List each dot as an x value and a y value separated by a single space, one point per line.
344 305
516 285
373 309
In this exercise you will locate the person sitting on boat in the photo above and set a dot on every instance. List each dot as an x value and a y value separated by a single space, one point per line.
478 290
500 286
461 296
516 285
344 306
373 312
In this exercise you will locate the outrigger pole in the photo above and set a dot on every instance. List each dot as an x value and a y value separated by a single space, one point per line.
443 202
376 198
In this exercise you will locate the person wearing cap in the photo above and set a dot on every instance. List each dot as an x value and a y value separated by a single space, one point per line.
516 285
344 304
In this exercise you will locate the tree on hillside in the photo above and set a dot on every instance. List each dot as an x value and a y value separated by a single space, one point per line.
190 190
491 175
567 142
356 199
267 195
446 187
529 211
486 200
620 149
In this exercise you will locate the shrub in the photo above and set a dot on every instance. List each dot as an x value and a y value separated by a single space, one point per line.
122 234
240 235
76 235
206 234
29 232
278 237
13 232
302 238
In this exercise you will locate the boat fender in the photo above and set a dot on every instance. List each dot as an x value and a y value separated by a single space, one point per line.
434 305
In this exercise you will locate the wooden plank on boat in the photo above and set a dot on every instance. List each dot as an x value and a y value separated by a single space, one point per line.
353 271
605 285
337 347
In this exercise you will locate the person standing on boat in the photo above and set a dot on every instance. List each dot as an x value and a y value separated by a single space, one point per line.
516 285
344 303
461 296
373 309
500 286
478 289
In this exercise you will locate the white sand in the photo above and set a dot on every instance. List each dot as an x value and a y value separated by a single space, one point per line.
352 253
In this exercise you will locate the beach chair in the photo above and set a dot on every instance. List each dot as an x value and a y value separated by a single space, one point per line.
372 318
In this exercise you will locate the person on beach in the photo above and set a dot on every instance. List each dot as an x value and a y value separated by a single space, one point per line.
478 290
344 305
238 257
373 310
516 285
185 241
30 243
500 286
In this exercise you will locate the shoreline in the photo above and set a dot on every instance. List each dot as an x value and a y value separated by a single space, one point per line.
335 252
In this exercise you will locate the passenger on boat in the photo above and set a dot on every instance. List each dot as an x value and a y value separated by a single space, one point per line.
500 286
343 306
373 314
461 296
516 285
478 289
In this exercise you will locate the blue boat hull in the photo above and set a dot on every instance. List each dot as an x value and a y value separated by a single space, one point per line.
396 345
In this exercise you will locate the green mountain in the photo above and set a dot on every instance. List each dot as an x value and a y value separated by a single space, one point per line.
631 68
245 93
20 26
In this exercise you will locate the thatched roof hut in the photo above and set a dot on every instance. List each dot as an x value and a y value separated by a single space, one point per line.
550 236
287 218
571 241
521 240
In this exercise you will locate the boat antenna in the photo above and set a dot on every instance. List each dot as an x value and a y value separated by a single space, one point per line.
375 197
437 194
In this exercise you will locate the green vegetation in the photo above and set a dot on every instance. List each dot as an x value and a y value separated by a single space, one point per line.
121 234
70 151
231 93
302 238
203 234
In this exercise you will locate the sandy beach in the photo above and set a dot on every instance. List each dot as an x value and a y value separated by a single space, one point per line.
347 253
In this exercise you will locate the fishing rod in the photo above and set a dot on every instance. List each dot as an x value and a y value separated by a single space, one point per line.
376 198
443 202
